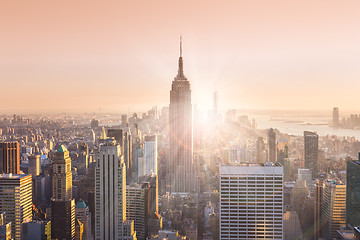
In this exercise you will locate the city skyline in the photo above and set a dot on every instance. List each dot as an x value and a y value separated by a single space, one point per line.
120 56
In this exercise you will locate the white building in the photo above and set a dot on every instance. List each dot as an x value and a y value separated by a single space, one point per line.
110 192
151 155
251 201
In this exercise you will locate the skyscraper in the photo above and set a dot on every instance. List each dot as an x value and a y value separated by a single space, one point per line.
9 157
34 165
260 150
16 200
272 145
62 175
110 192
181 172
154 191
82 213
311 146
334 208
336 117
151 155
353 193
138 207
62 203
251 201
318 216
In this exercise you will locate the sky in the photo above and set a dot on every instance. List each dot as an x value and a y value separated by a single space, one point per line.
121 56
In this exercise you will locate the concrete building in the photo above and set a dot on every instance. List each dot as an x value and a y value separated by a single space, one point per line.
151 155
180 176
334 208
138 208
110 192
251 201
16 200
9 157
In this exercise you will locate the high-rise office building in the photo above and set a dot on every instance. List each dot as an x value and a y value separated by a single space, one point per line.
138 207
110 192
318 216
181 172
353 193
9 157
151 155
16 200
260 150
334 208
311 148
5 228
62 175
251 201
272 145
63 219
336 117
128 153
117 134
305 175
154 191
34 165
82 213
62 203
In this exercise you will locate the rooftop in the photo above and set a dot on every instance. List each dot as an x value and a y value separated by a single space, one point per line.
62 149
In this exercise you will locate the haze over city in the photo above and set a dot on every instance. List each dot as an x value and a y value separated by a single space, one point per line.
120 56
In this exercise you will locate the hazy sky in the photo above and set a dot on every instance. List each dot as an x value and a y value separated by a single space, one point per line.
122 55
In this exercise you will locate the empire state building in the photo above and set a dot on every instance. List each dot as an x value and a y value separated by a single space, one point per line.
181 172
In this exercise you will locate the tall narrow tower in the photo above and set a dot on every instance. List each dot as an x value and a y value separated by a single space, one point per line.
181 173
62 175
62 203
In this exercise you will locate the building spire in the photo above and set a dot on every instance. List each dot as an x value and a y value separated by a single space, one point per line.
180 46
181 70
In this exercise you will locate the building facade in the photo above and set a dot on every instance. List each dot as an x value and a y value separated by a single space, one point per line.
110 192
9 157
138 208
16 200
251 201
334 208
151 155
